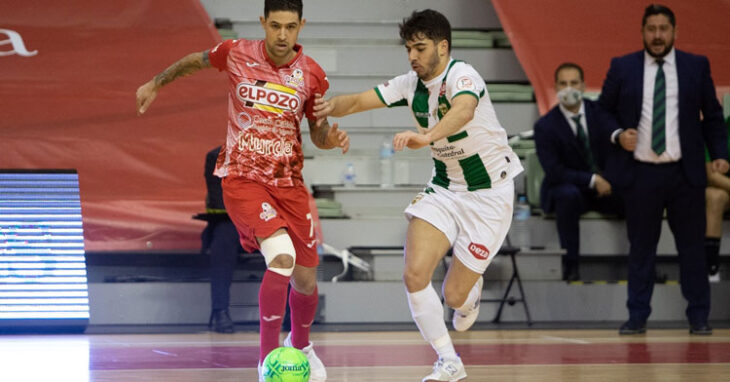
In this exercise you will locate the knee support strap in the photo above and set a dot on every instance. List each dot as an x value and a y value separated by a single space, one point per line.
275 246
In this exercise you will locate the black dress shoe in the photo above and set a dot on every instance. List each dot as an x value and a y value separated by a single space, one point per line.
570 271
572 275
700 330
631 327
220 321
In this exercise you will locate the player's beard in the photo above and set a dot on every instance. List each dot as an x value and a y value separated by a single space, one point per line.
431 66
667 48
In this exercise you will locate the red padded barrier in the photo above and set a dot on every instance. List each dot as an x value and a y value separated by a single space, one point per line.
71 104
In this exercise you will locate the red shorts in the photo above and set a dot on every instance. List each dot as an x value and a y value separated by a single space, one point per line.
258 210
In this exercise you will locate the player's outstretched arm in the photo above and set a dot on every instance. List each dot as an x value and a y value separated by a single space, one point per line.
346 104
183 67
328 137
461 112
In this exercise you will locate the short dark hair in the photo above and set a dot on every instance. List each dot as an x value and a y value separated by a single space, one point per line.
569 65
283 5
428 22
658 9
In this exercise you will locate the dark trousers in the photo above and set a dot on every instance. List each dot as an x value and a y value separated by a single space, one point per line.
570 202
655 188
224 250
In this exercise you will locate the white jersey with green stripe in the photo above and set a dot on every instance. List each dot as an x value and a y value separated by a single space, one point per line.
477 156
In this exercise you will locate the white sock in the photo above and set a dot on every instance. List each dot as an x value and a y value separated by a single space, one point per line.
428 313
471 299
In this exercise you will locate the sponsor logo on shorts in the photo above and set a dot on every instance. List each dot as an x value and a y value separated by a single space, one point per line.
267 212
479 251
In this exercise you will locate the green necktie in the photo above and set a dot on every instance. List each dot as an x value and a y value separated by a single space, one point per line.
658 121
583 142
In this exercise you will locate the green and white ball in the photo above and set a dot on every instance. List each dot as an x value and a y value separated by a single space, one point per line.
286 365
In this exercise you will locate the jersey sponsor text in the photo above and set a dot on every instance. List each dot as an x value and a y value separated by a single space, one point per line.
269 95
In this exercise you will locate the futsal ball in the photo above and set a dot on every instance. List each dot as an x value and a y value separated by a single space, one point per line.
286 365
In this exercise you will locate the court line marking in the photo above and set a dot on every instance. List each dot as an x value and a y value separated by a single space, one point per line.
569 340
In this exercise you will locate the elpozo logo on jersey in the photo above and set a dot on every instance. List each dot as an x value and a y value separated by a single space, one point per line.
269 97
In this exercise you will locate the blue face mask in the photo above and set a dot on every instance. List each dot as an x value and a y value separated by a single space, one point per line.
570 97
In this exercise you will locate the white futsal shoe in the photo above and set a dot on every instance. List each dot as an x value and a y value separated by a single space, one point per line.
463 321
448 370
261 374
316 367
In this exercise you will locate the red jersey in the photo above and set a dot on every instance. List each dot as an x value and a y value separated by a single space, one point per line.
265 108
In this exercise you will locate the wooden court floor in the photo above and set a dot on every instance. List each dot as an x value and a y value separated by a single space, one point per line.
492 355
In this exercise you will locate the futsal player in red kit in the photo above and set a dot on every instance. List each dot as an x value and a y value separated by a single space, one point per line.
272 86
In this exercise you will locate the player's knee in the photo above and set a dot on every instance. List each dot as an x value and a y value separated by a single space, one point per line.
415 280
284 261
279 254
716 198
304 286
452 298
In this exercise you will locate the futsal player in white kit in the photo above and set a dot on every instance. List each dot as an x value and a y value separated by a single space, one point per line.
467 205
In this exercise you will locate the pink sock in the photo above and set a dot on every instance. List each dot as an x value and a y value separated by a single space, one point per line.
272 307
303 308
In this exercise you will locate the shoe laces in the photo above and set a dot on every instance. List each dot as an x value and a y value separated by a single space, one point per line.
441 365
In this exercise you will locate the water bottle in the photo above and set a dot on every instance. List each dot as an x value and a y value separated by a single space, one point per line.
520 231
386 164
349 177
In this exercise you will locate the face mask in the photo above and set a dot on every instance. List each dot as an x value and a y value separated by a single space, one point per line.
570 97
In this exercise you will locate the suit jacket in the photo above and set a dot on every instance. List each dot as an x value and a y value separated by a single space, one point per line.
214 197
560 153
622 96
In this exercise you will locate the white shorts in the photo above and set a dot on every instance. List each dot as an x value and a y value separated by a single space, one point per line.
475 222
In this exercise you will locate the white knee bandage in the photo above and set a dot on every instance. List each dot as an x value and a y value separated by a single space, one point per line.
275 246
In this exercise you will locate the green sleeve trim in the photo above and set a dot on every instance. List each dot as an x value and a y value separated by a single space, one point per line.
377 91
401 102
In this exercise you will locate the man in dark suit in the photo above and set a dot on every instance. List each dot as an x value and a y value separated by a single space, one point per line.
571 140
220 239
665 101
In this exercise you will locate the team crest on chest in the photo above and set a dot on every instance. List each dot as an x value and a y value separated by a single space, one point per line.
295 79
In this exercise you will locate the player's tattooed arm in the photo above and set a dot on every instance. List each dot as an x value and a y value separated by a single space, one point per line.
328 137
183 67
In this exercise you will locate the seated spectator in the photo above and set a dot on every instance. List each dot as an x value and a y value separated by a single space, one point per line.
220 240
717 201
572 146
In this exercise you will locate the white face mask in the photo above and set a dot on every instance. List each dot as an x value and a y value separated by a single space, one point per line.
570 97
